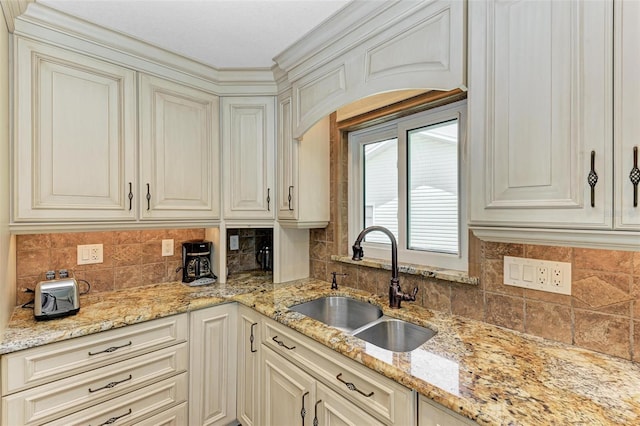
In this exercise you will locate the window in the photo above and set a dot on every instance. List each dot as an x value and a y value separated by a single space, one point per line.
407 175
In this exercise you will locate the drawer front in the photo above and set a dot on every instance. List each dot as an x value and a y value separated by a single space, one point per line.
379 396
433 414
53 400
33 367
151 405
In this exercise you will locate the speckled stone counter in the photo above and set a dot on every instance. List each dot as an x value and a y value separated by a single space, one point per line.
489 374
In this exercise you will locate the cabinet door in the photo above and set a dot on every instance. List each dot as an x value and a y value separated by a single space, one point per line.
332 409
248 366
179 147
288 393
248 144
75 137
212 365
539 106
287 160
627 105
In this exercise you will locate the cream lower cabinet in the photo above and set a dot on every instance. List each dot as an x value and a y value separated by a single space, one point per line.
179 151
128 374
249 351
292 397
432 414
212 363
341 391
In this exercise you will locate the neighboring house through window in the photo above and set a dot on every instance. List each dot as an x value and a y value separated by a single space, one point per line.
407 175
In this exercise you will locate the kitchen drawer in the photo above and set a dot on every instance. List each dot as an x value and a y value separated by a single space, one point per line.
383 398
432 414
53 400
54 361
151 405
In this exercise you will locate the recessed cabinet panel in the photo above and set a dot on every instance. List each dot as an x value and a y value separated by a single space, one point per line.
627 105
248 135
541 105
287 161
75 137
179 151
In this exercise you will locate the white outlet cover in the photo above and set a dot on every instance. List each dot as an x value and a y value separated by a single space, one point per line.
167 247
88 254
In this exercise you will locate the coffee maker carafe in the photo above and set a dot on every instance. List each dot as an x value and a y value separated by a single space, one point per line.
196 262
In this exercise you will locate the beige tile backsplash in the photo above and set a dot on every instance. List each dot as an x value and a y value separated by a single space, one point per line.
131 258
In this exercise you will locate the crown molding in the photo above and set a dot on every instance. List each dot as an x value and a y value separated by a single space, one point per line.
58 28
12 9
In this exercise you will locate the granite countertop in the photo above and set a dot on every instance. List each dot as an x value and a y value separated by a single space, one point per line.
486 373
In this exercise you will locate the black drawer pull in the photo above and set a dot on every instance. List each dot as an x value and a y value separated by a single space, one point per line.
148 197
111 349
251 338
353 387
111 384
130 196
268 199
315 413
289 197
303 412
592 178
281 343
112 420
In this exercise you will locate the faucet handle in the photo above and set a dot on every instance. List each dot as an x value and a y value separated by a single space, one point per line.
410 297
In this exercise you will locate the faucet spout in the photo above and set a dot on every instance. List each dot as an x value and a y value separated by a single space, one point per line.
395 293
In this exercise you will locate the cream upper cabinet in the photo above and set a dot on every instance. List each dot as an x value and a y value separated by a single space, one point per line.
303 171
540 116
179 151
248 146
75 137
626 123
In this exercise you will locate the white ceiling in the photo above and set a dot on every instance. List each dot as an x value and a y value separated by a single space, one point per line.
220 33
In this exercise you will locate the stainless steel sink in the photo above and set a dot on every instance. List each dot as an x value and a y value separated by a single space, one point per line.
395 335
340 312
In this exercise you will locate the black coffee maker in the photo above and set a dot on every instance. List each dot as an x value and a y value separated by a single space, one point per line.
197 262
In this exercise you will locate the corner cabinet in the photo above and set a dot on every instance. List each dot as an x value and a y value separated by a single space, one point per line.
248 145
542 140
212 362
179 151
75 137
303 171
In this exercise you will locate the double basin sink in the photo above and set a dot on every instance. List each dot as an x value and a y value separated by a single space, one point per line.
365 321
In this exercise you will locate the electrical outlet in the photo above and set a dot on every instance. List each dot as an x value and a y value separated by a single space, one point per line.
543 275
234 242
89 254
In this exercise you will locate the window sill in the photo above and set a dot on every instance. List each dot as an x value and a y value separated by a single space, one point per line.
407 268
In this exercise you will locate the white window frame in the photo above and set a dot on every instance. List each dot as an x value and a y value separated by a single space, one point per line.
398 128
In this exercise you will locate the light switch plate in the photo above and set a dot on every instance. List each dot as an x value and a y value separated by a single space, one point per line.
543 275
234 242
167 247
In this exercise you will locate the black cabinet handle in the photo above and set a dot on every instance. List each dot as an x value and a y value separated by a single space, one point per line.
353 387
148 197
592 179
303 412
634 176
268 199
112 420
315 413
251 338
130 196
289 198
111 349
111 384
281 343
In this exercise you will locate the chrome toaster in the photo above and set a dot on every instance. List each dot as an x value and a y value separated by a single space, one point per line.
55 298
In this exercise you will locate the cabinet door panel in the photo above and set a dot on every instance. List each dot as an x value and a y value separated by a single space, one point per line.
334 410
248 150
179 151
248 366
541 103
286 390
287 161
627 105
75 136
212 365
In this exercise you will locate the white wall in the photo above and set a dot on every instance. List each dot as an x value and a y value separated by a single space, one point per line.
7 242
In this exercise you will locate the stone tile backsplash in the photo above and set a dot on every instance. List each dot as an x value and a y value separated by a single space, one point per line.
130 258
